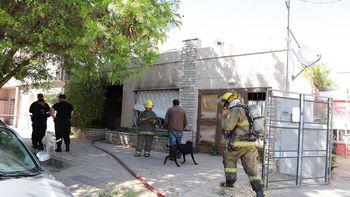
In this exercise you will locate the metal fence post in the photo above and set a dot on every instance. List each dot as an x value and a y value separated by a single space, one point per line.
329 140
300 138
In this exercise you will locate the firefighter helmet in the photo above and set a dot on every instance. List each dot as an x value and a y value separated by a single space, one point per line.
148 104
228 97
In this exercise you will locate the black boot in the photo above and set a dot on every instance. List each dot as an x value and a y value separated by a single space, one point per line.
41 146
58 149
67 148
34 144
260 193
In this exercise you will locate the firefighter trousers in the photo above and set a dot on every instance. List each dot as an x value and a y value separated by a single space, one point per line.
144 140
248 156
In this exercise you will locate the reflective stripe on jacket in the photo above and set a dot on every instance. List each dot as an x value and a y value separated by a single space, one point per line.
244 144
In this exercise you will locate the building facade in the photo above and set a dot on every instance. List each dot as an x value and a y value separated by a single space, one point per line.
198 76
15 101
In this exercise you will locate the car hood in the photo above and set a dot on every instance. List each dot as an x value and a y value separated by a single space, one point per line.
40 185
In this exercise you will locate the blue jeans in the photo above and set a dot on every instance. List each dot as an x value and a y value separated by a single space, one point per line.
173 135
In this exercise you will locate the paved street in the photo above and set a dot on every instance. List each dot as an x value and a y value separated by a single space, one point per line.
88 171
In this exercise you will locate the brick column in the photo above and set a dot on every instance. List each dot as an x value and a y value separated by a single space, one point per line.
187 88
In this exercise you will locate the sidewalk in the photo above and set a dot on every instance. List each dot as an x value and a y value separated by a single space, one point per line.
88 171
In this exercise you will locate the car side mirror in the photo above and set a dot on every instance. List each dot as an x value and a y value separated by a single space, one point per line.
43 156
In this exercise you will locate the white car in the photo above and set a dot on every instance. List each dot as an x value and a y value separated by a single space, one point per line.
20 171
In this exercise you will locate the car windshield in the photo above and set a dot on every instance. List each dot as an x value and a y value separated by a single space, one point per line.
15 160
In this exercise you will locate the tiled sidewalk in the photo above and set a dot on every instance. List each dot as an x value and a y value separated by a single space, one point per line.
93 172
88 171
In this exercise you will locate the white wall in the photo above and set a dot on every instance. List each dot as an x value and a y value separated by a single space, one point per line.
253 70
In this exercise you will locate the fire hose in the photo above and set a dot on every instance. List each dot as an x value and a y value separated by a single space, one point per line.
138 177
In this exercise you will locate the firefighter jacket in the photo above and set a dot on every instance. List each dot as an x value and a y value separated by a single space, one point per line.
238 123
147 122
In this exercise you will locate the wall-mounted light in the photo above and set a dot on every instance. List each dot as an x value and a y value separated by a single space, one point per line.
231 82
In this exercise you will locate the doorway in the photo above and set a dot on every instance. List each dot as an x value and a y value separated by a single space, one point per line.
208 122
113 107
209 138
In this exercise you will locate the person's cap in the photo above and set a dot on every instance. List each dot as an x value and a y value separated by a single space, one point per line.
63 96
40 95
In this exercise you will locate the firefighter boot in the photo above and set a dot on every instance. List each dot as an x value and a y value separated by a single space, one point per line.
137 154
146 154
260 193
58 149
227 186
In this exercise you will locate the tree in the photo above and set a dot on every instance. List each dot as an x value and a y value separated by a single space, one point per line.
320 75
88 98
98 38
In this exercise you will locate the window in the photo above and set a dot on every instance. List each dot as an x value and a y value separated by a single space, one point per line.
162 100
12 108
258 99
257 96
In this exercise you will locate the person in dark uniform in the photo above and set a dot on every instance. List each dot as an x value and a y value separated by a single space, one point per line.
40 112
62 113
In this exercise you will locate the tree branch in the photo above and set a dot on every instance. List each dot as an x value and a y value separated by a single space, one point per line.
137 43
8 60
2 33
9 75
13 72
13 7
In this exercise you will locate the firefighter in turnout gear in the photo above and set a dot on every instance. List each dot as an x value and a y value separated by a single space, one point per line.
146 128
241 144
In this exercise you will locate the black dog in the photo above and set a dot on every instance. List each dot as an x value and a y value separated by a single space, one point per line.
184 149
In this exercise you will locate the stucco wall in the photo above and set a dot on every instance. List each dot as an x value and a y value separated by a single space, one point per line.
3 94
4 105
160 76
249 70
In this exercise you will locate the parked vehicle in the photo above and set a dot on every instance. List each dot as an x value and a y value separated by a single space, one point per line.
2 124
20 171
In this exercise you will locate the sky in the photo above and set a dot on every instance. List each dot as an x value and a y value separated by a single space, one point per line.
253 25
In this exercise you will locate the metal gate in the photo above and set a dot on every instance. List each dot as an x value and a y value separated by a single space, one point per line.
298 139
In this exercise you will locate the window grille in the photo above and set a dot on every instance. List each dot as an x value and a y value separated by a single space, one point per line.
12 108
162 100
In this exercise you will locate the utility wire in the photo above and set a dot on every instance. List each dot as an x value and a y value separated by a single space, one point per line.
321 2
